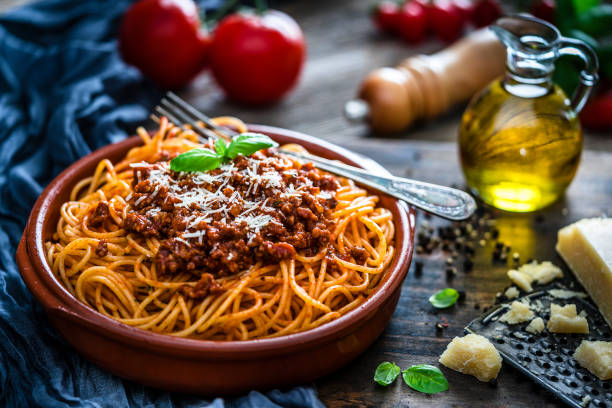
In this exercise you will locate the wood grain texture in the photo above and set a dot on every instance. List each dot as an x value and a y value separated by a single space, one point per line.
411 337
343 47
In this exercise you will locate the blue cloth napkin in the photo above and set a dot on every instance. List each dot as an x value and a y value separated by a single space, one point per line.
64 92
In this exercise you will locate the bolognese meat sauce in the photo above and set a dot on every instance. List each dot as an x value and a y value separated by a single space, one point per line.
261 208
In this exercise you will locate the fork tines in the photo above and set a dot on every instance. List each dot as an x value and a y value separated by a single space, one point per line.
181 113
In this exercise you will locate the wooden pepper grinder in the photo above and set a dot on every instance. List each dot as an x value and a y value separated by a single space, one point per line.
390 99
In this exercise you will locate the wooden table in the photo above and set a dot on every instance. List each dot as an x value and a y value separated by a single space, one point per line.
342 47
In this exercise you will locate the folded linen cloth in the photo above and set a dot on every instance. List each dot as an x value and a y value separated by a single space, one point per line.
65 92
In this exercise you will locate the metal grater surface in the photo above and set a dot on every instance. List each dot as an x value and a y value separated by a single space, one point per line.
546 357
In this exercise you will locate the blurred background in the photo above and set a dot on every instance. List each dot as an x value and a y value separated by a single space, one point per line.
345 43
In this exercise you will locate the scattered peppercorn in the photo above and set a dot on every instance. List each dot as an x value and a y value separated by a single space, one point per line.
440 326
418 268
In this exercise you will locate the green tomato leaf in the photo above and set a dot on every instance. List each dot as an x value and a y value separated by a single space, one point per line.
220 147
565 15
596 21
583 5
566 74
386 373
248 143
425 378
196 160
444 298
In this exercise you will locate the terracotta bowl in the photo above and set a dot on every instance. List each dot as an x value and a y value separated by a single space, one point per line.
202 366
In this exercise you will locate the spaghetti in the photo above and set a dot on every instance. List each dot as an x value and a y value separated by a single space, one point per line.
264 246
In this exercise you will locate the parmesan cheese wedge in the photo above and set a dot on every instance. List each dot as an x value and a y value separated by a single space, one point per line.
586 246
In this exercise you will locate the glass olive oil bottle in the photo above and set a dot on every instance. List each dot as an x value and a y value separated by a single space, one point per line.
520 140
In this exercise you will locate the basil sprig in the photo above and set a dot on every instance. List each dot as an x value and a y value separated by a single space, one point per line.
444 298
203 159
386 373
196 160
248 143
425 378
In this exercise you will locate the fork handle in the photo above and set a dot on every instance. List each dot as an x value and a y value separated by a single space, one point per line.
446 202
443 201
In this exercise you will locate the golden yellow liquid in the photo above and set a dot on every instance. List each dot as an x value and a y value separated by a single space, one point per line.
519 154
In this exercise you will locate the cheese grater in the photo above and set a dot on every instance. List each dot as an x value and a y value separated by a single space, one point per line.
546 357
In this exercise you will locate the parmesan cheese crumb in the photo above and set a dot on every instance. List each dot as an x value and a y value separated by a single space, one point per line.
566 294
519 312
596 356
535 326
564 319
512 292
541 273
474 355
586 401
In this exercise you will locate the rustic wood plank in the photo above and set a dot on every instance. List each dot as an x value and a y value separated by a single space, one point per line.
411 337
343 46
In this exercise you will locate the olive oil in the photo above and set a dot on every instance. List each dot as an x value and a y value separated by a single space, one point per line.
520 148
520 139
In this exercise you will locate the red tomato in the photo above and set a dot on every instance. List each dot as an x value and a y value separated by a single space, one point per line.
412 22
446 20
544 9
466 7
596 113
486 12
255 58
165 40
386 15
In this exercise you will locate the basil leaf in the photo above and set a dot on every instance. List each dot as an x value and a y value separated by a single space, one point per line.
220 147
425 378
196 160
248 143
444 298
386 373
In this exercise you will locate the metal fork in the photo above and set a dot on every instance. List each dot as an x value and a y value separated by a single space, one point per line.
443 201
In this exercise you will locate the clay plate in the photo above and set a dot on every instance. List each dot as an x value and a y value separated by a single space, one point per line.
202 366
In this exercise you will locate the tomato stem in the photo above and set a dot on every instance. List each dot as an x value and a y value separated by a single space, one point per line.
261 5
222 11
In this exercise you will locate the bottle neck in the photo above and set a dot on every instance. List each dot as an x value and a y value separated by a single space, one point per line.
528 75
